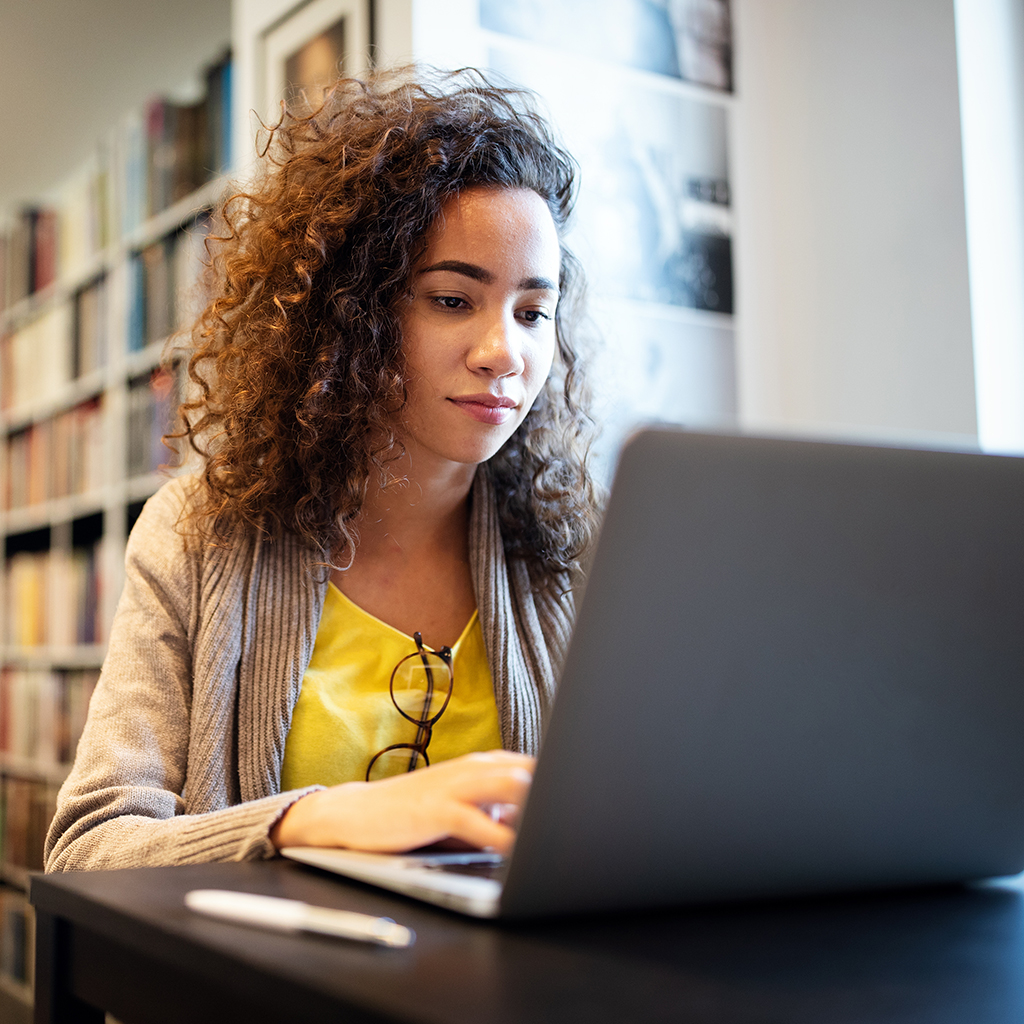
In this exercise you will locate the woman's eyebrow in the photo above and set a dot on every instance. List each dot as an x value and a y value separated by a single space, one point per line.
538 284
484 276
465 269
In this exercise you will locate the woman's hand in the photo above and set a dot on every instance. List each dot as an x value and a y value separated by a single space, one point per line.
449 800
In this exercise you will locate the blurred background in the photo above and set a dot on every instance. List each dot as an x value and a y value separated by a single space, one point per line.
796 216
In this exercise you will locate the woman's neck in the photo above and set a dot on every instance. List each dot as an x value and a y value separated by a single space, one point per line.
411 563
411 512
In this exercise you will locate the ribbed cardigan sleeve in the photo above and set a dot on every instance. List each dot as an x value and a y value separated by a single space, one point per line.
126 800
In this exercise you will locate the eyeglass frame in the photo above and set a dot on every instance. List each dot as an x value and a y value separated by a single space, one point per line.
419 745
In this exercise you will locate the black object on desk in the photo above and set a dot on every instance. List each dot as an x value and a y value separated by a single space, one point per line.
123 941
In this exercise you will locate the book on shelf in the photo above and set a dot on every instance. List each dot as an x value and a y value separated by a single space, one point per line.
28 810
89 331
31 252
16 937
218 126
37 359
165 284
84 214
176 137
130 162
53 597
85 468
170 149
19 258
152 405
44 248
57 457
189 259
152 312
42 716
44 712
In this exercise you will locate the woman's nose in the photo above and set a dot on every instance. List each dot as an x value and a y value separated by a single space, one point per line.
497 350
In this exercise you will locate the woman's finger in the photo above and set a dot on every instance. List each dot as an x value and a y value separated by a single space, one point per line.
509 786
473 826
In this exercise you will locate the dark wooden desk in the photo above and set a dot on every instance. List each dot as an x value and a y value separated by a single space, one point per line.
124 941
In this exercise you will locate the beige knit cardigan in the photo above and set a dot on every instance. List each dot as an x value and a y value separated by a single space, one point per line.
180 761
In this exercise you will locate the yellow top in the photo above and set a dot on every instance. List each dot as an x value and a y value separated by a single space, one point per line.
344 713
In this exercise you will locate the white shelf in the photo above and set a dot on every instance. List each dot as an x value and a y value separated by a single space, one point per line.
74 393
173 217
49 656
56 510
144 360
30 768
28 308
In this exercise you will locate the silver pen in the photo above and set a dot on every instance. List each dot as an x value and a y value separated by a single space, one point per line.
295 916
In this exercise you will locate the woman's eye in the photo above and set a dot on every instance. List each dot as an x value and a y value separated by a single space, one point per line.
532 316
450 301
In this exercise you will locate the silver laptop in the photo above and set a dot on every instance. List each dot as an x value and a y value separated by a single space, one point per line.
798 668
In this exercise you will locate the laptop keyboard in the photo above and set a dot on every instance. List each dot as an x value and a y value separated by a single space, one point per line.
480 865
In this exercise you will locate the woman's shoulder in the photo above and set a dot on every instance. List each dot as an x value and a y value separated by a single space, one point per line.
168 527
170 505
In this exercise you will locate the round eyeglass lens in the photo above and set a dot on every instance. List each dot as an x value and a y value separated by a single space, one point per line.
395 762
420 687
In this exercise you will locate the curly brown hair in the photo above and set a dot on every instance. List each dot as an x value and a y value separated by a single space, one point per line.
297 362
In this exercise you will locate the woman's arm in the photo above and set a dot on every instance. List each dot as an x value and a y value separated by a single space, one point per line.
123 804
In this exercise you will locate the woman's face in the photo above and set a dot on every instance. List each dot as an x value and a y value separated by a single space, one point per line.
479 329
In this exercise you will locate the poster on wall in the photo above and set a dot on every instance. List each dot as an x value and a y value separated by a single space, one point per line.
654 204
304 53
687 39
670 371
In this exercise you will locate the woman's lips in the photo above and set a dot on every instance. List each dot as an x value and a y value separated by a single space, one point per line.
485 408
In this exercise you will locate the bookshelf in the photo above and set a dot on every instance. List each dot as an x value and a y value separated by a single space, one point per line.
93 283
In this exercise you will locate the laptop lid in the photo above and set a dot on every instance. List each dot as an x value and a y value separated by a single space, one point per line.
797 667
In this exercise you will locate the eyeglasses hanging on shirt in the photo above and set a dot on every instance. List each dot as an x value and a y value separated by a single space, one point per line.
421 687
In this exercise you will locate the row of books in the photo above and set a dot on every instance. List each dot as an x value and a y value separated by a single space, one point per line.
152 407
170 149
27 810
158 156
90 328
85 206
42 711
69 341
36 360
57 457
164 285
16 936
30 252
53 597
64 343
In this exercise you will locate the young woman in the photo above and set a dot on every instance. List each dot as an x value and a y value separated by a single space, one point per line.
347 628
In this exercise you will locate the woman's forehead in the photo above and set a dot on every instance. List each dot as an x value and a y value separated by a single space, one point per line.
496 224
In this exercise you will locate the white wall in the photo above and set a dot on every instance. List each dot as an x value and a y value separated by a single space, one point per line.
990 60
851 260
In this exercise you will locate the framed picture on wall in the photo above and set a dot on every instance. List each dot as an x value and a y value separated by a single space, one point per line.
304 52
687 39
